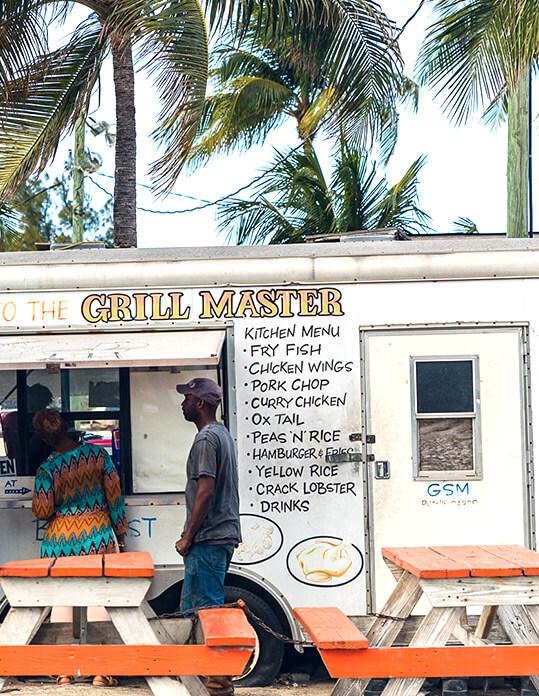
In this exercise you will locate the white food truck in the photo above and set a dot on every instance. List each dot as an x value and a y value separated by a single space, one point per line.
378 391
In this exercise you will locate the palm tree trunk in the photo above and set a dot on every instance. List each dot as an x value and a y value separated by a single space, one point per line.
518 153
125 189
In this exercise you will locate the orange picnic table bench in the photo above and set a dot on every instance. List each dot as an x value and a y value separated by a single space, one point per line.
119 582
503 581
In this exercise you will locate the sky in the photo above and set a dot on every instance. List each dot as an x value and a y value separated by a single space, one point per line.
465 173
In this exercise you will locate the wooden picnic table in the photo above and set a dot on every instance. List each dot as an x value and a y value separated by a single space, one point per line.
119 582
501 580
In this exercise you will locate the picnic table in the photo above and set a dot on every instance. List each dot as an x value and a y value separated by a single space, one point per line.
503 581
119 582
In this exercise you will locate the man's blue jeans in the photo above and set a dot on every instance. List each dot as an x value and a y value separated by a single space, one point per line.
205 570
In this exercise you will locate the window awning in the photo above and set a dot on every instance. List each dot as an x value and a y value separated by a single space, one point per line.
68 351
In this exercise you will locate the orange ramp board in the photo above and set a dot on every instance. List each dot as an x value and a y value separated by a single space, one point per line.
34 568
133 564
330 629
424 562
122 660
469 661
78 566
226 627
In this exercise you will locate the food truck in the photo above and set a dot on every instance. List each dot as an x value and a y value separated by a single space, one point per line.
379 394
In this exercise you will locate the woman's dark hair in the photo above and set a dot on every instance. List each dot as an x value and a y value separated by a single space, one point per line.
49 425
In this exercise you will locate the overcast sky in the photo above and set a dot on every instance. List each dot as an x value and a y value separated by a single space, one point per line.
464 175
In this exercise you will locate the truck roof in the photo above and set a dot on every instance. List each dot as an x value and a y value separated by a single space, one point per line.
424 258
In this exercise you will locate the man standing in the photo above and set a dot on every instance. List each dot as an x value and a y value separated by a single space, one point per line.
212 525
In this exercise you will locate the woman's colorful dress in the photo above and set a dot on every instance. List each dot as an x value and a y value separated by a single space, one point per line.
79 493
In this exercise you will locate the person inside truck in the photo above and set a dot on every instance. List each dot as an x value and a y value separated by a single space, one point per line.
38 397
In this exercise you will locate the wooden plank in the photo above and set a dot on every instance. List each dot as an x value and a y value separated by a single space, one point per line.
518 625
78 566
482 591
486 621
435 630
34 568
409 627
527 559
73 592
481 563
464 634
133 564
384 630
133 628
227 627
181 628
417 663
20 626
122 660
330 629
104 633
424 562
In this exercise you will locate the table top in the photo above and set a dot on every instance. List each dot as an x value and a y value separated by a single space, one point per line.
464 561
133 564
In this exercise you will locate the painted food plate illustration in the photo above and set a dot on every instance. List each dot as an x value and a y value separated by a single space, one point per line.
325 561
262 539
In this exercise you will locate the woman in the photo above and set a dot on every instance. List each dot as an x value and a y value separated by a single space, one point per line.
78 491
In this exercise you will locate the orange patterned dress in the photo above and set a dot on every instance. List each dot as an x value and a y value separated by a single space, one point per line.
79 493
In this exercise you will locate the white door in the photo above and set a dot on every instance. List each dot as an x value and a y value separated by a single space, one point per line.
448 464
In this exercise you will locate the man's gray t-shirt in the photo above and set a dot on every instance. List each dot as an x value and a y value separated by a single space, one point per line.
213 454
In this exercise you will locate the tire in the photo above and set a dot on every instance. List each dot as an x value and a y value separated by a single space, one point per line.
266 662
168 601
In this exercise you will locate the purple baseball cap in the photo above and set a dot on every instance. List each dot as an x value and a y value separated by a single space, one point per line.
203 388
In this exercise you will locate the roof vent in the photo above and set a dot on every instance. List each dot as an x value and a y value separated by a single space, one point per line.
382 234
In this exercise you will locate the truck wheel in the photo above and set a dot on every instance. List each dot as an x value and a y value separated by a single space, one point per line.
267 658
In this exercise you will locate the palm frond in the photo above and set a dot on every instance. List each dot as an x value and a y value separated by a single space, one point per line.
240 116
33 119
400 206
364 65
10 230
253 222
358 192
23 37
465 225
338 57
232 63
469 54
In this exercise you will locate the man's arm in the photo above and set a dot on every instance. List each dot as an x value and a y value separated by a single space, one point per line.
201 507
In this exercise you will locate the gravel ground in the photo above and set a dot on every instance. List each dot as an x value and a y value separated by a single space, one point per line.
138 687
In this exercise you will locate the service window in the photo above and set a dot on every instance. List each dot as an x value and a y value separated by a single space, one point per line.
446 418
118 392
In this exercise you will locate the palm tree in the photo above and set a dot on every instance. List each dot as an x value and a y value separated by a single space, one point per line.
265 80
294 200
169 37
50 89
478 54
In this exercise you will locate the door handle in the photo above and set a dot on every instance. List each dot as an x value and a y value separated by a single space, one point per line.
382 469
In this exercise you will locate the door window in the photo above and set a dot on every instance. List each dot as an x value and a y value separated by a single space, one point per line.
446 417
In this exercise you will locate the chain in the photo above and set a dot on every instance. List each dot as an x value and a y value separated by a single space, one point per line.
386 616
240 604
265 627
190 613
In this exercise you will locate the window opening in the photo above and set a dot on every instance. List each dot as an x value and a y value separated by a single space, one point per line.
446 417
161 437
